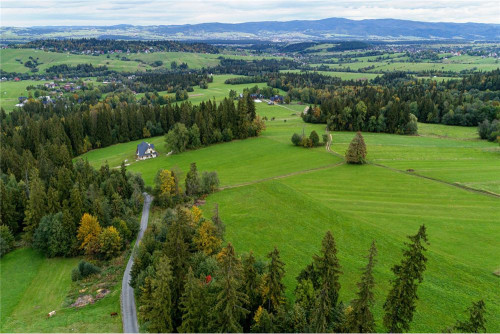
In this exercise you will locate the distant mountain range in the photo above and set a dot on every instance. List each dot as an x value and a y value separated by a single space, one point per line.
298 30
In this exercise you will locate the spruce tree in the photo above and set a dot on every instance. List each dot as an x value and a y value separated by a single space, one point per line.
400 303
356 153
328 270
360 319
36 206
251 282
231 300
190 305
177 249
476 322
156 298
273 288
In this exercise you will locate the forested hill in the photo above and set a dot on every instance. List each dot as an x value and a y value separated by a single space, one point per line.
331 28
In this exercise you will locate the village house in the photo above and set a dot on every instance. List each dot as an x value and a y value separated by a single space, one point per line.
145 151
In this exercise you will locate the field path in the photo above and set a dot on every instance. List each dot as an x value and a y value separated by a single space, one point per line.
305 171
129 314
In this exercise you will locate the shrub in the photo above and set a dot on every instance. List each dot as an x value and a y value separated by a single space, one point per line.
227 134
356 153
296 139
209 182
6 240
83 270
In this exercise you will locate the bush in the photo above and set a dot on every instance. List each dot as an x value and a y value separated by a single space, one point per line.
83 270
296 139
356 153
209 182
6 240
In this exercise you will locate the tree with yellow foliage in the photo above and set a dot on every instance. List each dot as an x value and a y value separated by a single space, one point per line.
206 239
88 234
165 188
197 214
110 242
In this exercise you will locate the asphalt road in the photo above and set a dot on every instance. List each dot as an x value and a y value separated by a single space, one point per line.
129 314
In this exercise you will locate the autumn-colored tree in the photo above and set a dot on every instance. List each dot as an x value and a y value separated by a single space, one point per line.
356 153
165 187
206 239
110 242
263 321
197 214
88 234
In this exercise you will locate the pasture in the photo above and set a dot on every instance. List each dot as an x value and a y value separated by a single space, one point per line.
277 194
26 302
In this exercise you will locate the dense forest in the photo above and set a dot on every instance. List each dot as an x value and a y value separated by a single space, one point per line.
114 45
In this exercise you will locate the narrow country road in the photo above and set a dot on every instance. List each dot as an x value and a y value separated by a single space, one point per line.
129 314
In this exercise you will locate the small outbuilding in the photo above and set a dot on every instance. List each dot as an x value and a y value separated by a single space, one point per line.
145 151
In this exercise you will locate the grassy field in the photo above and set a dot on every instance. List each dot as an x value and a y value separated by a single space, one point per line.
135 62
32 286
278 194
364 203
216 90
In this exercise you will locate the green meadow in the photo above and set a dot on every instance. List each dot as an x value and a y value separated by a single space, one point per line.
32 286
275 194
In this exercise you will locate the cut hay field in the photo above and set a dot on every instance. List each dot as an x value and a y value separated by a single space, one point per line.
32 286
278 194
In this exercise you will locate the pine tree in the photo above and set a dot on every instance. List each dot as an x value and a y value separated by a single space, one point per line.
190 305
356 153
360 319
193 183
231 300
476 322
328 268
76 203
273 289
400 303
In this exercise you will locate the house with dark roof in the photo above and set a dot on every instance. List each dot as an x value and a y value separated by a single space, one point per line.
145 151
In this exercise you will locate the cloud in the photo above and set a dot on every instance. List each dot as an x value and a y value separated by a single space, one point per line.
156 12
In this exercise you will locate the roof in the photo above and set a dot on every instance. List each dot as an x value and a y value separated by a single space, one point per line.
142 147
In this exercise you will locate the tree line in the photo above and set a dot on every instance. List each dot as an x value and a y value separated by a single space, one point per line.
186 280
113 45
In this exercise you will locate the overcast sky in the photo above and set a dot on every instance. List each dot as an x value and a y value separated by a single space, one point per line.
155 12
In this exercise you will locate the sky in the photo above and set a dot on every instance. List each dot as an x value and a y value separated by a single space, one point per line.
23 13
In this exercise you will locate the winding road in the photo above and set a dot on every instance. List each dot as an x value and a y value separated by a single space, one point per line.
129 314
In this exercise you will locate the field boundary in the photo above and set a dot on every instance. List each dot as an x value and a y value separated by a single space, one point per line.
305 171
457 185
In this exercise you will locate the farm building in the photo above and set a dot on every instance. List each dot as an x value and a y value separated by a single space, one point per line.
145 151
